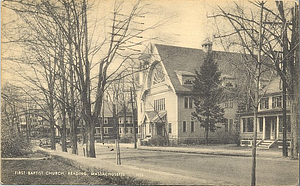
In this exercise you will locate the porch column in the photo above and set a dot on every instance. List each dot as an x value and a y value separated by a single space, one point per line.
241 125
264 127
257 125
277 126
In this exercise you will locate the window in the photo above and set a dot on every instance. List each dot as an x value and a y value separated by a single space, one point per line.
276 102
158 74
192 126
188 102
230 124
126 130
120 120
226 124
131 130
170 127
264 103
226 104
97 131
288 123
149 129
184 126
105 121
244 124
188 82
105 130
230 103
260 121
120 130
249 125
159 104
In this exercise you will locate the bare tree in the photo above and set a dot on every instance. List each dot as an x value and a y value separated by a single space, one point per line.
280 48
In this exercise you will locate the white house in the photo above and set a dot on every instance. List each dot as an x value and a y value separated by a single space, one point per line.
269 125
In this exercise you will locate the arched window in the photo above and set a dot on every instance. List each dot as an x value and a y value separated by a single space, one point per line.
158 74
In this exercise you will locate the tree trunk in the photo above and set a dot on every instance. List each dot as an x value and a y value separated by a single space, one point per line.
52 139
92 152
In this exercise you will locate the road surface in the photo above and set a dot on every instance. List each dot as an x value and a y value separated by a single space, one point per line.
217 168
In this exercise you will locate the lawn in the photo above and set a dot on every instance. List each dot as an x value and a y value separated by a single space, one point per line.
45 172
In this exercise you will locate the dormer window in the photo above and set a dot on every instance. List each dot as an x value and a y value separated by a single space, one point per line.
185 77
188 82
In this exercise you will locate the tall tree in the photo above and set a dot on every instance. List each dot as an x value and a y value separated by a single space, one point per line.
277 45
208 96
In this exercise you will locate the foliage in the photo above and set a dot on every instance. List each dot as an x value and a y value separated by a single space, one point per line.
13 145
126 140
208 95
158 141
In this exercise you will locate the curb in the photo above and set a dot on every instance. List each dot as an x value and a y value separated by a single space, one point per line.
194 152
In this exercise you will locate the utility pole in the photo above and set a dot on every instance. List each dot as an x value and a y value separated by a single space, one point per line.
285 58
284 85
133 116
118 153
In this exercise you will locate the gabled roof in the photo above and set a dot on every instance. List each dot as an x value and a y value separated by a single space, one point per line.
177 59
155 116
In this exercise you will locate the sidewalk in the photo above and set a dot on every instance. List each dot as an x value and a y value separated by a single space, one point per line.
211 150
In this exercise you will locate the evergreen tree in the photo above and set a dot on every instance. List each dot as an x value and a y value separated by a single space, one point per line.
208 92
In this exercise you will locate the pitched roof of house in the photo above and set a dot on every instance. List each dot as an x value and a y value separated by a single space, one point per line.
177 59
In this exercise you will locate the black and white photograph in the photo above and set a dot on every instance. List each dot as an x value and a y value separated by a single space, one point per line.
150 92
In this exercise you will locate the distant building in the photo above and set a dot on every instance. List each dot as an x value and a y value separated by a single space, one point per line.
125 127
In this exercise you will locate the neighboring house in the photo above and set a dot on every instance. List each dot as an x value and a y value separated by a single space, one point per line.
269 127
165 93
109 126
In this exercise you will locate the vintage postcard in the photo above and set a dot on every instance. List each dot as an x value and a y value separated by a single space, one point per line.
141 92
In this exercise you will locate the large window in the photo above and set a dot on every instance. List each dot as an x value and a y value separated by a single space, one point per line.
192 126
188 102
184 126
276 102
158 74
264 103
159 104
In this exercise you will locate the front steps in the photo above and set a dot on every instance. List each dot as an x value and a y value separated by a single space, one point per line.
266 144
261 144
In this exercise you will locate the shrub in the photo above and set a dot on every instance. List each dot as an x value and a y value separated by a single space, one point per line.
126 140
12 145
158 141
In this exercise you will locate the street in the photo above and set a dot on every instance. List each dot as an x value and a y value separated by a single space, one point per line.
216 168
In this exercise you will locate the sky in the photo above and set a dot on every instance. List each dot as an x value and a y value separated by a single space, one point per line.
184 22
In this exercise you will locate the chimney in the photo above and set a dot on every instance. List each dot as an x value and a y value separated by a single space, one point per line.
206 45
